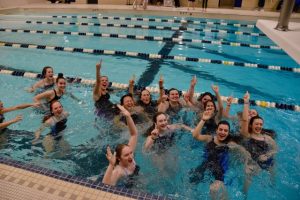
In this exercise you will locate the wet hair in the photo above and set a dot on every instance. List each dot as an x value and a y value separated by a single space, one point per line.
251 122
144 89
123 97
154 119
60 76
205 104
46 117
179 92
45 70
229 137
118 150
206 94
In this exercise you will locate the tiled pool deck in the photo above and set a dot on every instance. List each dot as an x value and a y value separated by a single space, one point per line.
25 181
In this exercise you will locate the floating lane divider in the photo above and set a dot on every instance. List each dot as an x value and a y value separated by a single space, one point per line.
140 37
148 56
90 82
154 20
146 27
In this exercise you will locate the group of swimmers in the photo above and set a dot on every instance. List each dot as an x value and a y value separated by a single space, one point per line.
255 145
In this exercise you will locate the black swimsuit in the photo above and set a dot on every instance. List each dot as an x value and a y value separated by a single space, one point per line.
150 108
162 143
2 118
216 160
58 127
104 107
257 148
55 98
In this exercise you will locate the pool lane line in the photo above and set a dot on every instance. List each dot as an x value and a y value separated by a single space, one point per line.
91 82
143 19
148 56
140 37
146 27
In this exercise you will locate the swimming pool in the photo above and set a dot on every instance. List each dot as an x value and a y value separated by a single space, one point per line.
86 157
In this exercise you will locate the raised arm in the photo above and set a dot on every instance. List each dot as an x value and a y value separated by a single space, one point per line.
227 109
131 86
215 88
111 176
131 126
192 89
96 94
245 122
161 89
197 131
9 122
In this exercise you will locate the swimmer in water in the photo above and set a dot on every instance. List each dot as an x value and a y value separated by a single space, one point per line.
261 146
57 123
162 132
216 155
47 81
121 162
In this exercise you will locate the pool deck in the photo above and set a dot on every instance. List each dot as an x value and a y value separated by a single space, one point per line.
20 184
16 183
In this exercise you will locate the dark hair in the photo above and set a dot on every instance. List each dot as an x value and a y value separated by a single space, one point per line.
123 97
229 137
251 122
144 89
205 94
45 70
205 104
154 119
46 117
60 76
118 150
179 92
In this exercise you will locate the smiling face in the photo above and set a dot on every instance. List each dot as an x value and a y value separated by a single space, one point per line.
61 84
104 82
173 95
145 97
128 102
256 126
161 122
126 157
210 106
56 108
222 132
49 73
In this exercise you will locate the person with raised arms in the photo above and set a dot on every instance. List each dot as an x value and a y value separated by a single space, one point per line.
121 162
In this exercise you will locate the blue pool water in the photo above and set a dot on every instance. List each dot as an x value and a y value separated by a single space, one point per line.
84 153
